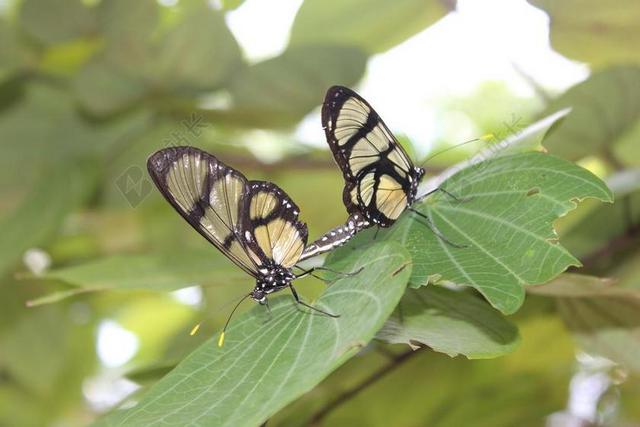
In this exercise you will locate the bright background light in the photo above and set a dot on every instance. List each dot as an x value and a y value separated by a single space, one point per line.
480 42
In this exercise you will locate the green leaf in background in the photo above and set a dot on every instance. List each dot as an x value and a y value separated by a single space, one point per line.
159 272
450 321
446 392
592 31
281 90
127 22
199 52
102 89
46 356
11 55
604 108
57 192
505 219
128 29
72 19
604 318
593 230
373 25
264 366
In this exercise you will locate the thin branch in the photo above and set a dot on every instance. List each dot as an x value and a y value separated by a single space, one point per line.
343 398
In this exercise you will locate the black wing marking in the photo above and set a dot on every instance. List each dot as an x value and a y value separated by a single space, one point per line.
211 196
275 229
380 178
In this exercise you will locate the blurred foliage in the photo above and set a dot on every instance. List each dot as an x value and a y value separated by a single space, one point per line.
88 89
599 35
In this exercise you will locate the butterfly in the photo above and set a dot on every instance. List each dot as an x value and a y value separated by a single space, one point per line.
253 223
381 181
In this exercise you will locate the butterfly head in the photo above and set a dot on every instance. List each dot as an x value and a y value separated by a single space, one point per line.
272 278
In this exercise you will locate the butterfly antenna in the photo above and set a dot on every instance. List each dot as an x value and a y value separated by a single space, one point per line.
196 328
221 339
486 137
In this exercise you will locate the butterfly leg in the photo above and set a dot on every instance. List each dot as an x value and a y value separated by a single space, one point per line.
448 193
340 273
435 231
376 233
299 301
266 304
310 272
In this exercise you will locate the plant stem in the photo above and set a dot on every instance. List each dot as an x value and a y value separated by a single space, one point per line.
344 397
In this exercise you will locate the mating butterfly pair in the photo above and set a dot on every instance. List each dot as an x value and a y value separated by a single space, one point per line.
255 224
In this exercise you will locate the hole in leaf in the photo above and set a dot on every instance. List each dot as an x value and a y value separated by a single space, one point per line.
533 191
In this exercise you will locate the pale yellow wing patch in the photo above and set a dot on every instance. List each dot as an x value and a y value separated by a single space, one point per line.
262 204
280 241
186 179
352 114
391 199
364 189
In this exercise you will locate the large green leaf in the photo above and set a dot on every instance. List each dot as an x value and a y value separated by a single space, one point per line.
506 224
160 272
450 321
503 218
593 31
373 25
604 318
264 366
281 90
604 108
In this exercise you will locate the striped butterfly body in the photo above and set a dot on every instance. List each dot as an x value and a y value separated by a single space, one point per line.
254 223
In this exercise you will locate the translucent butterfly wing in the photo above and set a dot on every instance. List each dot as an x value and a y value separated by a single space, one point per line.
273 221
378 172
211 196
